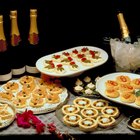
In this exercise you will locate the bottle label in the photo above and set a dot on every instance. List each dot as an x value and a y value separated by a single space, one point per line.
15 39
31 69
5 77
33 38
18 71
3 45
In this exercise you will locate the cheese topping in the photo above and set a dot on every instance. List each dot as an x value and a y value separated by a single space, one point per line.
105 120
109 111
99 104
70 108
87 122
72 118
89 112
81 102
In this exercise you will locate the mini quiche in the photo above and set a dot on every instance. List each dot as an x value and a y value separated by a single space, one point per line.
72 119
110 111
99 104
88 124
82 102
105 121
70 109
89 112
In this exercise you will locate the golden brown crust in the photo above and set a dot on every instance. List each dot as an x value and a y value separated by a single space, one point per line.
70 109
26 79
136 123
112 93
23 94
39 93
7 95
88 124
52 98
136 83
111 84
126 88
127 97
37 102
19 103
122 79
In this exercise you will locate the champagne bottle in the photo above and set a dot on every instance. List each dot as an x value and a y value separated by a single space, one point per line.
5 69
33 45
17 49
124 28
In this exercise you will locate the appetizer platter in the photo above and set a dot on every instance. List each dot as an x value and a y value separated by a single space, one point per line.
89 114
7 113
85 87
71 62
121 87
31 93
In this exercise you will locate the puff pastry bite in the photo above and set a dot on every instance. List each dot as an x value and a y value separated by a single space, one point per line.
72 119
88 124
39 93
29 87
111 84
105 121
126 88
52 98
36 102
110 111
136 123
136 83
19 103
82 102
112 93
127 97
23 94
26 79
7 95
11 86
89 112
70 109
122 79
99 104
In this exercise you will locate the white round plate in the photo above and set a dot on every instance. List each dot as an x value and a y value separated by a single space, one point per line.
68 72
100 86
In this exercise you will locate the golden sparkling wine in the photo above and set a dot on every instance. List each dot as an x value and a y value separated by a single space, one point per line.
123 27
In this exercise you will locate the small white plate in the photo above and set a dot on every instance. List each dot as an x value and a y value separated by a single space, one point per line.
70 73
100 86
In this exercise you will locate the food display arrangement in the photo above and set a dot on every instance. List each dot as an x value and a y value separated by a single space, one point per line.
89 115
121 87
34 94
71 62
7 113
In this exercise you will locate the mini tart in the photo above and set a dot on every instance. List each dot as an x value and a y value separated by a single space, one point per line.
99 104
112 93
136 83
137 101
72 119
26 79
126 88
11 86
36 102
19 103
82 102
23 94
110 111
136 123
70 109
127 97
89 112
7 95
39 93
122 79
41 83
105 121
52 98
111 84
88 124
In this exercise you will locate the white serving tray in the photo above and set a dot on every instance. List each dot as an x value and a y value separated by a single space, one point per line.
100 86
68 72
